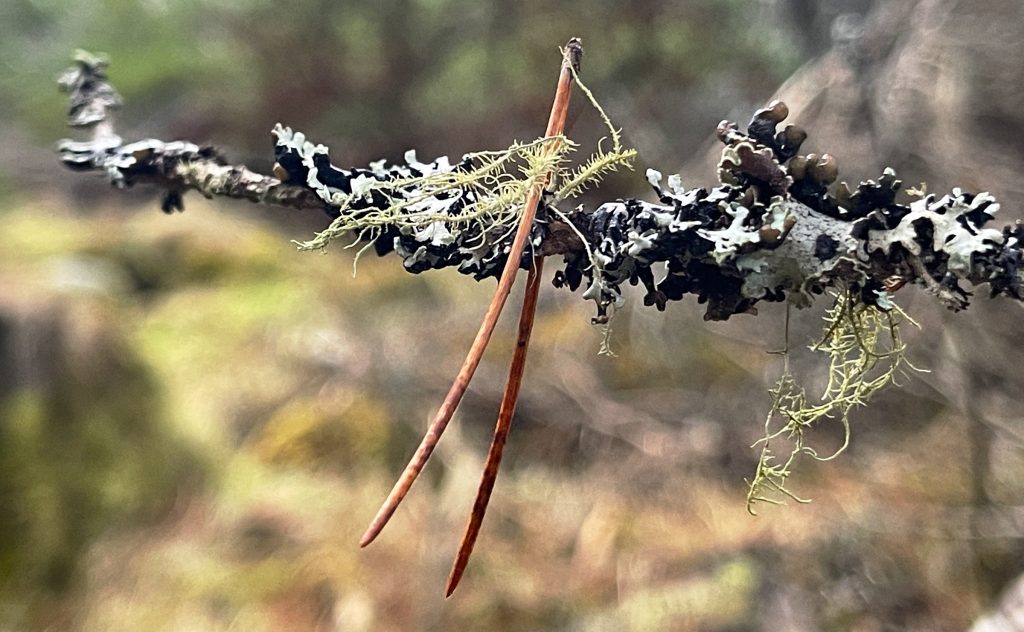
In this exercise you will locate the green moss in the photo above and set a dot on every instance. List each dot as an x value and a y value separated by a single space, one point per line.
86 452
345 436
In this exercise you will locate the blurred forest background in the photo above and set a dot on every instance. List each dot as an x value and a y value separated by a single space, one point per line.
197 421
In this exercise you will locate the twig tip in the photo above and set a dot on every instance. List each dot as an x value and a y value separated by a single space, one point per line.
574 53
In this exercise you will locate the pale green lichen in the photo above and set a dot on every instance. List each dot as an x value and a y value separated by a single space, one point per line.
500 181
601 162
866 354
497 184
733 238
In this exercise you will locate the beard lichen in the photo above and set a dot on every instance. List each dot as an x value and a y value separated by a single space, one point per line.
485 188
438 213
866 353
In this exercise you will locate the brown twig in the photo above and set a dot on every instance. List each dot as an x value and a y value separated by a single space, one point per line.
556 125
501 429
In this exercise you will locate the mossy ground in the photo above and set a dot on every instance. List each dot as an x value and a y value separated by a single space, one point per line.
299 391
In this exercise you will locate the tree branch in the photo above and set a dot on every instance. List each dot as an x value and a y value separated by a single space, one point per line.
774 228
175 167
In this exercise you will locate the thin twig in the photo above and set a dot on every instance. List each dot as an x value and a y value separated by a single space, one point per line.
556 125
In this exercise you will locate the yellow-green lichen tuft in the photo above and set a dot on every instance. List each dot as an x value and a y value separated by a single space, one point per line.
498 183
866 354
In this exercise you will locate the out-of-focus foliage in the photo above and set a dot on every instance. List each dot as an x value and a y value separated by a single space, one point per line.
621 506
197 421
86 442
375 78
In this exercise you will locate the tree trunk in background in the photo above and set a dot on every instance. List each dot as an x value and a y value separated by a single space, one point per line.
935 89
82 445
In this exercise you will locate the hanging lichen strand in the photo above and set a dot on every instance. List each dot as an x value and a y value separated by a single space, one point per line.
865 353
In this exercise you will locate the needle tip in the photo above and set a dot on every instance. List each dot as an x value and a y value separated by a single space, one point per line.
368 537
450 588
574 52
458 570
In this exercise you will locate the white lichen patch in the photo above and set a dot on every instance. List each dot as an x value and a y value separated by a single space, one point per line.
794 263
952 231
742 236
675 183
436 234
676 190
728 241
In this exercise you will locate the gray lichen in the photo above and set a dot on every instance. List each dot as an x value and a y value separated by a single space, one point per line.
775 228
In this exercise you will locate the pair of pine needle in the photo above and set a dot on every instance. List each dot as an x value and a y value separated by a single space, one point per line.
571 56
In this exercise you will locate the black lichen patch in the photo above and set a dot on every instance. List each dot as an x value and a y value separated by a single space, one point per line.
825 247
1005 266
440 238
776 226
774 230
942 243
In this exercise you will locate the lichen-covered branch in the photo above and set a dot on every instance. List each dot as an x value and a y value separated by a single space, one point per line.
175 167
774 228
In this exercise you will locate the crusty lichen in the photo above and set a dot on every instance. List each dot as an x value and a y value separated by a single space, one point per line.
812 247
777 228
